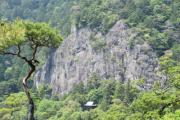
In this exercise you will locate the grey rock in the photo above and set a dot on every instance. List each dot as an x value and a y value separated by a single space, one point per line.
75 60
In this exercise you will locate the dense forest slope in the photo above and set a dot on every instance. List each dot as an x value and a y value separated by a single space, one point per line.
119 39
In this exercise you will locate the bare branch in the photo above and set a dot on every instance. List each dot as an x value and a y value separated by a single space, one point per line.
18 55
32 46
33 56
7 53
19 50
34 41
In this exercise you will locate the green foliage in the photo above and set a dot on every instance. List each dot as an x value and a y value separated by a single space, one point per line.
94 81
131 44
114 100
17 33
127 92
113 59
55 98
176 51
173 116
17 72
15 102
119 90
8 73
95 95
156 23
121 73
108 91
18 36
41 91
48 35
79 88
140 81
44 105
138 62
151 24
7 87
99 44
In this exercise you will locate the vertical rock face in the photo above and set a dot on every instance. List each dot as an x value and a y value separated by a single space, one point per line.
76 59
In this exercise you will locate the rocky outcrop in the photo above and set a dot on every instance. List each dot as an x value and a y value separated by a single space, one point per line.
76 59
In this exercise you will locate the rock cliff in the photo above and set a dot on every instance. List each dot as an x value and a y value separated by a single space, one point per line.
79 56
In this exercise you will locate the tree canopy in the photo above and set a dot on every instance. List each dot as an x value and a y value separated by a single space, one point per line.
17 33
34 35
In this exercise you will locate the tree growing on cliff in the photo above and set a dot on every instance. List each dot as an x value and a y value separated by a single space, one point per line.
35 35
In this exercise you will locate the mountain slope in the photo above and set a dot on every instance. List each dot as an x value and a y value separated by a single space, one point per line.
110 55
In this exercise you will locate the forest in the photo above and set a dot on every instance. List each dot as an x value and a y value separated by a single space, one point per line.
157 23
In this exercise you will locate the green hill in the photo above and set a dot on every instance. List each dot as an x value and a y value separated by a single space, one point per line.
157 23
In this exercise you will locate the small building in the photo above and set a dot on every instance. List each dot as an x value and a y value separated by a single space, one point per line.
90 105
77 8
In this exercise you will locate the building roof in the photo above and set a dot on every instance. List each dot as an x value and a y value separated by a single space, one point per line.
77 8
90 103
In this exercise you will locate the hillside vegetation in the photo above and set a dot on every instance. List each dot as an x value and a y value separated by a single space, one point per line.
157 23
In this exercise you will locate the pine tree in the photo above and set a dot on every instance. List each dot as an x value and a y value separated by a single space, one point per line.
119 91
35 35
127 92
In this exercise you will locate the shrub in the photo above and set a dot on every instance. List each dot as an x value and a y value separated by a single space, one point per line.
99 44
121 73
113 59
131 44
138 62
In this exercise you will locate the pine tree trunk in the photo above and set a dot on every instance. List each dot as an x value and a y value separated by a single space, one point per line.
31 103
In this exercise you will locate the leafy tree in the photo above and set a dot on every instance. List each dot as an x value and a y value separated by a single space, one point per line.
17 72
13 103
8 74
27 13
127 92
27 4
43 106
4 7
119 91
130 6
117 111
17 11
108 92
148 22
79 88
37 35
41 13
174 116
34 88
95 95
13 85
4 88
176 51
134 18
94 81
70 107
24 70
55 98
154 104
